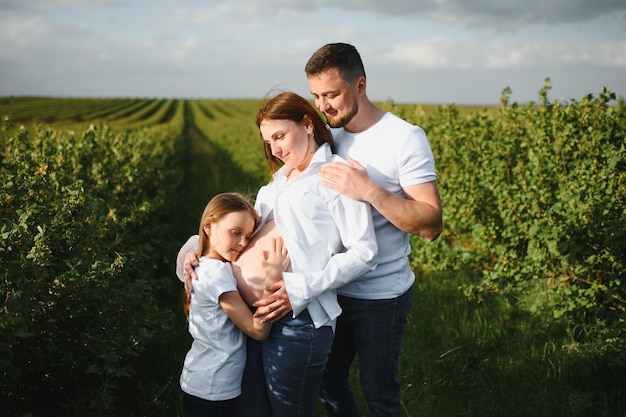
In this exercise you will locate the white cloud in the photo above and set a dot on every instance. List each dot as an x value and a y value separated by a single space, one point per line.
53 5
243 47
486 13
466 54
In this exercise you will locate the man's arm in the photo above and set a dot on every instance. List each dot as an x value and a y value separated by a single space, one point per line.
419 213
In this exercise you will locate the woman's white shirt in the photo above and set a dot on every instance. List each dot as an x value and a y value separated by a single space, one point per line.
330 237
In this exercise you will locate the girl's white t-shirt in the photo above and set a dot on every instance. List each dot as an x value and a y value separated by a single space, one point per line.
214 365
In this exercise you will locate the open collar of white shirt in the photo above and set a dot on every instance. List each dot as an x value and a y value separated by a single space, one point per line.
321 156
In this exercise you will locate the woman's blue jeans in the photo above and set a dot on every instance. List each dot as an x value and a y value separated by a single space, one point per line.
373 329
294 359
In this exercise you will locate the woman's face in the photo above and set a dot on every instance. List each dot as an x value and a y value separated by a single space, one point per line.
290 142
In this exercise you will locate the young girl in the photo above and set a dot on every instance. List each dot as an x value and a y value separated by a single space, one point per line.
213 368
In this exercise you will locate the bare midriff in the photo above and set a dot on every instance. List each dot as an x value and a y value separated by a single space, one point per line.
248 268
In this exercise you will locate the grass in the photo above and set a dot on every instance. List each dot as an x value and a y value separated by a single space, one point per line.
461 358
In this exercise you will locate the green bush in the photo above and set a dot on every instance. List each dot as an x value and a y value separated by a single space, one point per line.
81 243
535 196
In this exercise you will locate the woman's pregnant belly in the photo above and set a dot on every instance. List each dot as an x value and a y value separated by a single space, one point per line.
248 268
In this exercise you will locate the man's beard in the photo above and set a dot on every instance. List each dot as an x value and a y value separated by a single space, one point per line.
341 122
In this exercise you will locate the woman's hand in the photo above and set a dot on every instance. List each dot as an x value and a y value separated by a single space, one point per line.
276 303
276 306
276 261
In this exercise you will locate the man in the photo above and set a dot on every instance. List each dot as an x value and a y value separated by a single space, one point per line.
393 170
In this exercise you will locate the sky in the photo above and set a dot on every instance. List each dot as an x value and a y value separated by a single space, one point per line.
414 51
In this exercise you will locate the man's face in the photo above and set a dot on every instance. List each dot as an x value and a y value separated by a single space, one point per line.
334 97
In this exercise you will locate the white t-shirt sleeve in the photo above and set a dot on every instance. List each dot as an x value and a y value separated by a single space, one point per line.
217 278
416 163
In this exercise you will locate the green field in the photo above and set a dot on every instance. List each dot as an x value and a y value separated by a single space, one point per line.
520 305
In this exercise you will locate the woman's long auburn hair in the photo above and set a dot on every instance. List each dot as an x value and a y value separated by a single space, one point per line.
290 106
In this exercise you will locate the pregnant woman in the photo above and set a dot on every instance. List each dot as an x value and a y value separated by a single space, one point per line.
330 240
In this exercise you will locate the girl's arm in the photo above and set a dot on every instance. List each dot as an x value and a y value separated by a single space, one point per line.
276 262
237 310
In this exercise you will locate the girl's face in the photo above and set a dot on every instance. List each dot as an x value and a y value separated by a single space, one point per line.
229 235
290 142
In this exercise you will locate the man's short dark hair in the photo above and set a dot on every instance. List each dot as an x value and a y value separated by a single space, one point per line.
340 56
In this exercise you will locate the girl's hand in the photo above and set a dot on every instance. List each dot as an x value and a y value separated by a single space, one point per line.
191 262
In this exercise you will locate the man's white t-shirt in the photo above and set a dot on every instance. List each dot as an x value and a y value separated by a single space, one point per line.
396 154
